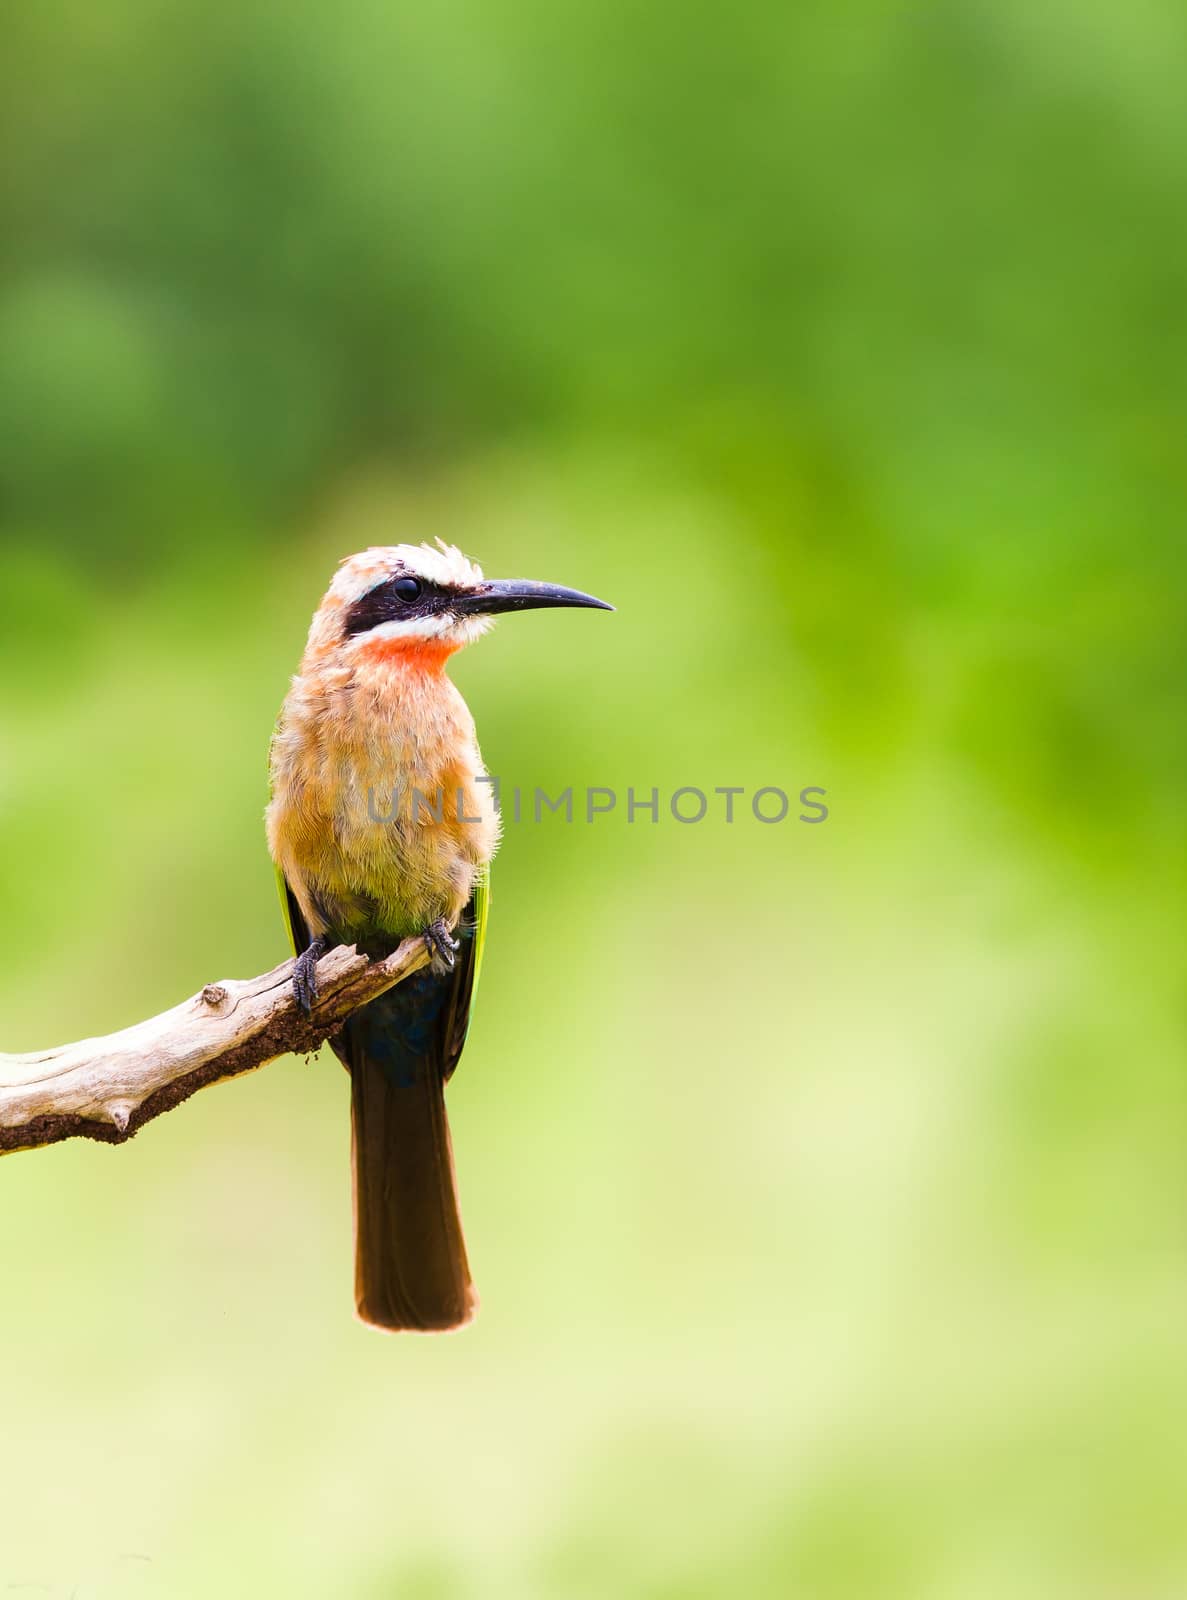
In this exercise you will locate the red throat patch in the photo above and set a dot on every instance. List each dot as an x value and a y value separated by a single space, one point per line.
419 655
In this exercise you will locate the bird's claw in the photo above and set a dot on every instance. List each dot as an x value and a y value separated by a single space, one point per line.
442 947
305 974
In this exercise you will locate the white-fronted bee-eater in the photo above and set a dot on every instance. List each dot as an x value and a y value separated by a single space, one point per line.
381 827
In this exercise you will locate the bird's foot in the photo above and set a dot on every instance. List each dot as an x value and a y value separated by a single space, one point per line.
442 947
305 973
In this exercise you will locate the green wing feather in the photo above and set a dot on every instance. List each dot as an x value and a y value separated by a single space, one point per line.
481 917
290 910
465 973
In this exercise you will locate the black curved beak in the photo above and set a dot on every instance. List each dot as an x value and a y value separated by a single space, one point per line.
517 594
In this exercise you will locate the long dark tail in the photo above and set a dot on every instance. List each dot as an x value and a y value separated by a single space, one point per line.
410 1257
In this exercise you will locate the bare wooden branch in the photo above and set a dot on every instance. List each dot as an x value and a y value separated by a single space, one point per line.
108 1088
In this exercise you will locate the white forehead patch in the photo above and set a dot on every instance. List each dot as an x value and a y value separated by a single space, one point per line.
445 565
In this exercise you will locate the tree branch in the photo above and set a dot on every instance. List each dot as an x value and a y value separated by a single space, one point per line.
108 1088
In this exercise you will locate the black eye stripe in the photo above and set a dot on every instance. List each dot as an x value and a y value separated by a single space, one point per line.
386 603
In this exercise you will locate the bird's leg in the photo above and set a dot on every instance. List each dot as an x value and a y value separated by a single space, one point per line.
442 947
305 973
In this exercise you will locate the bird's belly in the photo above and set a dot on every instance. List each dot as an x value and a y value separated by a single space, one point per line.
405 844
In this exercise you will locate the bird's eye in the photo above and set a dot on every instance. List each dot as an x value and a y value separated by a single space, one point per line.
408 589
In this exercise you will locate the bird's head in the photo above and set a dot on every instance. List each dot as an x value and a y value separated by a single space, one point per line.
419 603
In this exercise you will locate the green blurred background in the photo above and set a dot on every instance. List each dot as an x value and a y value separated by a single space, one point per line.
826 1186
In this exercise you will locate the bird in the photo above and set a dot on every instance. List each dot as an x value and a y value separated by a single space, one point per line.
382 823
